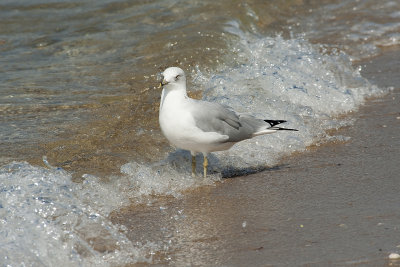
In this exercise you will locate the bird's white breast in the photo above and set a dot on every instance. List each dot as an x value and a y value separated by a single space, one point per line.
177 124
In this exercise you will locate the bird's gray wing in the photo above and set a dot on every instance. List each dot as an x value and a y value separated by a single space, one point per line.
214 117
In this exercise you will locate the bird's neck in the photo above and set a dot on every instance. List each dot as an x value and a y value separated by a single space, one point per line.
173 95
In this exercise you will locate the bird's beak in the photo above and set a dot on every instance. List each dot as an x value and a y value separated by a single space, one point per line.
162 83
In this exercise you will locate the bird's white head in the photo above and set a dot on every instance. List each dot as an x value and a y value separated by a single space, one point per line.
174 77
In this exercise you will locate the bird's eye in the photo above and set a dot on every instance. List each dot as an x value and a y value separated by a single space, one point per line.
177 77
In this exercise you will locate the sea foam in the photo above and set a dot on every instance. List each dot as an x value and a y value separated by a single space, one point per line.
48 220
275 78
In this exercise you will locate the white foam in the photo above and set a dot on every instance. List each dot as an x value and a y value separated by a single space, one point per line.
274 78
47 220
170 177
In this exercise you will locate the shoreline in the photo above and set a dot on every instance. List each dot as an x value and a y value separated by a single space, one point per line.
334 205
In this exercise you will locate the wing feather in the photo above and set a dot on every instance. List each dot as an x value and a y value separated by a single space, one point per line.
214 117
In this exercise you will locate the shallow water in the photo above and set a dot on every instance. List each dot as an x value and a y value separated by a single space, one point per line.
78 85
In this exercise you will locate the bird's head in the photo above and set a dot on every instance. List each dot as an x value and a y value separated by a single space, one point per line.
173 76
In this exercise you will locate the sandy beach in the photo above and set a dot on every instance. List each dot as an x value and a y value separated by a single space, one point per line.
335 205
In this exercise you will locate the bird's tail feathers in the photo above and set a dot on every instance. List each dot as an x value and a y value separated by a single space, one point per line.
271 128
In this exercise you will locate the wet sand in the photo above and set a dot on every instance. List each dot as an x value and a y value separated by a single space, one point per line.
335 205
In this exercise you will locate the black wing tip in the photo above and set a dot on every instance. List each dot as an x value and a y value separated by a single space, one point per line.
274 122
287 129
283 129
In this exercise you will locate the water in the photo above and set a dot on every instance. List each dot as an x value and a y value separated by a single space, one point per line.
78 84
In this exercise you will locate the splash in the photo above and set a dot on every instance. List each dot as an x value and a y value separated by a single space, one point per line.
274 78
47 220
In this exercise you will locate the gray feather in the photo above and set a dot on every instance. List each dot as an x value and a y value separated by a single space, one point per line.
214 117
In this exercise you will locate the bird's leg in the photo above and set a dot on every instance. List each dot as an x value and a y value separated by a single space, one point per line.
193 166
205 164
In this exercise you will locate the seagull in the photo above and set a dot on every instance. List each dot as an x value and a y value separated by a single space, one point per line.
201 126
